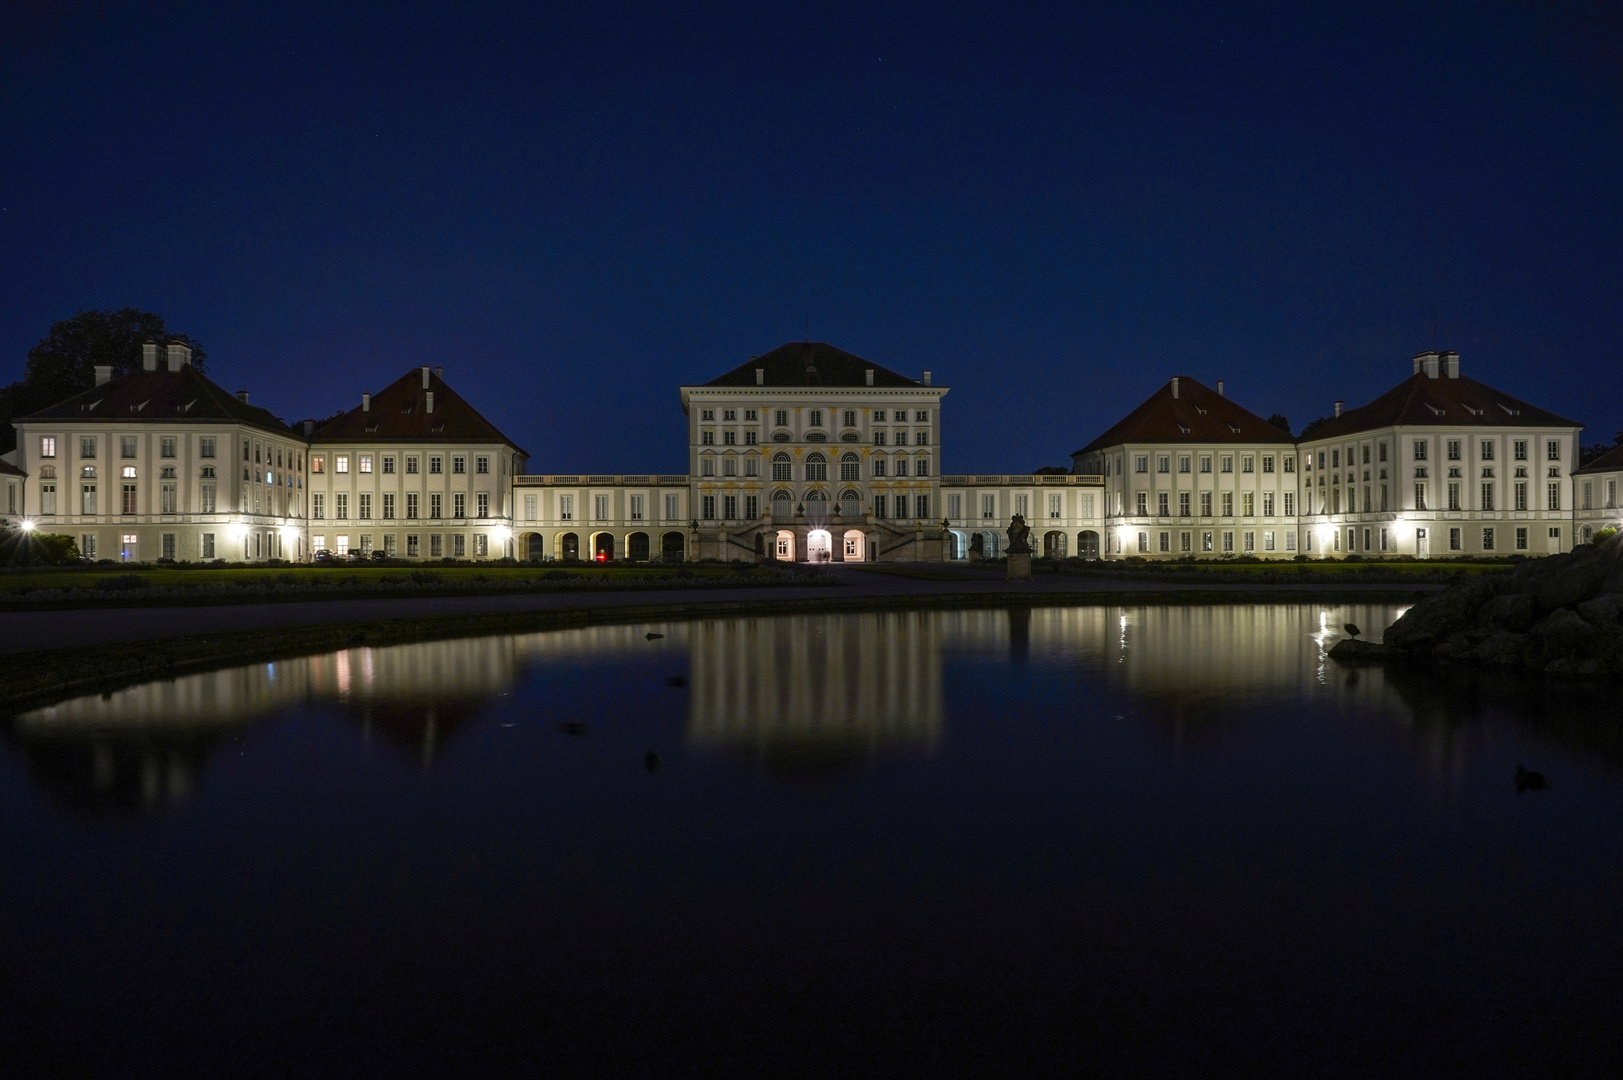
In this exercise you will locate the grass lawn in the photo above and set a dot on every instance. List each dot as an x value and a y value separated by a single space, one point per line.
361 574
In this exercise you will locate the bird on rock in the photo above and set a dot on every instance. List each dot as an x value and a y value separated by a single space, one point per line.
1528 780
1352 628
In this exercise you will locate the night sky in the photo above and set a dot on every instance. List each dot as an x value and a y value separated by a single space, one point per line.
576 208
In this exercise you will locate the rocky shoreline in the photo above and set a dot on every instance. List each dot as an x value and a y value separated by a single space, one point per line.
1560 616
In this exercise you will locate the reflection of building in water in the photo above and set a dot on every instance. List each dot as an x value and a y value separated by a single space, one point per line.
811 691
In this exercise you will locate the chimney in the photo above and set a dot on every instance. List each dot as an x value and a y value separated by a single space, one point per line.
1451 364
309 428
425 378
242 396
1429 364
149 356
104 373
870 376
366 402
760 376
1339 404
439 373
430 406
1174 386
1220 388
179 355
926 378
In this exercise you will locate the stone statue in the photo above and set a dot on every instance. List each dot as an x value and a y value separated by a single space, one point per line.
977 545
1018 531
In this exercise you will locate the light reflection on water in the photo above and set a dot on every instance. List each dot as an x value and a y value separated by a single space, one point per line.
943 841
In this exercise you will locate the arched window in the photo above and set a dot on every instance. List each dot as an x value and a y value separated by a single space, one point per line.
850 467
780 467
849 495
816 496
781 495
816 467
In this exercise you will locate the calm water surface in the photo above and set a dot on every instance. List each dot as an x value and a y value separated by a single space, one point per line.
1127 841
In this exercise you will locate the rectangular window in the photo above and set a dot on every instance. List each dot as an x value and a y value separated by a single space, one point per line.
1247 464
671 507
318 505
126 446
566 508
388 505
1487 539
1521 495
707 505
1267 541
318 464
436 465
1487 450
87 446
166 546
388 545
166 446
1453 449
365 463
1456 541
878 467
1142 504
1161 504
129 499
340 503
436 546
1164 542
1205 504
1247 504
481 545
707 414
1290 467
752 507
87 545
1521 539
1420 496
1453 494
1183 463
1021 504
1290 536
752 467
1054 506
365 506
47 499
413 545
411 505
600 507
340 463
166 499
1553 499
481 465
47 446
459 546
707 438
1143 541
1335 458
1268 464
1183 504
955 506
988 506
1228 543
1552 450
1141 463
459 505
411 470
459 465
729 507
1420 449
1227 464
1487 496
1163 464
1228 504
636 508
1267 504
481 504
1205 541
1520 448
1205 463
1248 542
1588 496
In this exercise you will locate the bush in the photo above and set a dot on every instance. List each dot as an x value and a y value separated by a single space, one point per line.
121 583
1603 535
19 548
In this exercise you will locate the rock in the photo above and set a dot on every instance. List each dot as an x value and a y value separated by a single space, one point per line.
1601 612
1571 665
1352 650
1564 633
1563 581
1455 646
1504 649
1509 611
1438 616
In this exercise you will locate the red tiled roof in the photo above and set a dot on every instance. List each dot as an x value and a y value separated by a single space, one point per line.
399 413
1421 400
146 397
1198 414
1611 461
811 363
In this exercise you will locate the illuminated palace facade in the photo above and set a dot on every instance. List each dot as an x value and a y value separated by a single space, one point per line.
805 454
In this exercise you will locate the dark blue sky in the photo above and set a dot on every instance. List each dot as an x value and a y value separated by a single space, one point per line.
576 208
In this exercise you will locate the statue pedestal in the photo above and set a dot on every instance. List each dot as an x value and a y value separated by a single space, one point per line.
1019 567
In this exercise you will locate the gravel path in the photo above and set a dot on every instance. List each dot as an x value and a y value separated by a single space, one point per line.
34 630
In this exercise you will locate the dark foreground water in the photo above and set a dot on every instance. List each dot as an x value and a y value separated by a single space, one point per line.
1095 841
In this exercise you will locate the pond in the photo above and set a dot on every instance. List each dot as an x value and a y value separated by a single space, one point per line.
1114 840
